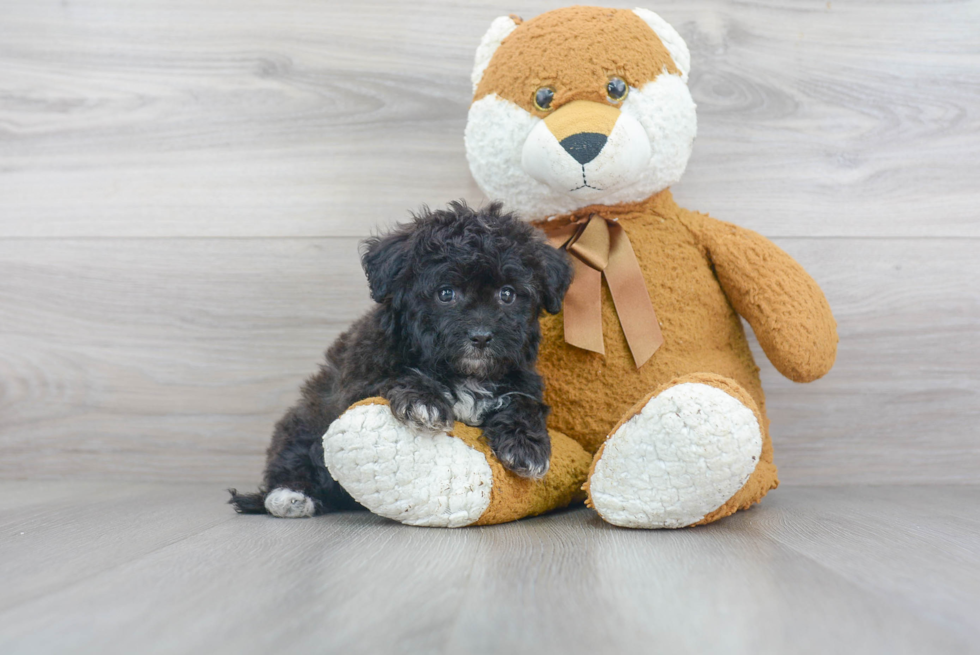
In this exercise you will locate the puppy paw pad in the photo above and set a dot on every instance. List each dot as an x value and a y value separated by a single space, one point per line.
288 504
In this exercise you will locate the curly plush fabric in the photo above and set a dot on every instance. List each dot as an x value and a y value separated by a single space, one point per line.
574 51
680 455
447 480
688 437
781 302
747 492
677 251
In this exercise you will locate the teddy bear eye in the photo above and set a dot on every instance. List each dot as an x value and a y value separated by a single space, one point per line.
617 89
543 98
507 295
446 294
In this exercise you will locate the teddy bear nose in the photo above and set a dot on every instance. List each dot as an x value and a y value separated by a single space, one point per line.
584 146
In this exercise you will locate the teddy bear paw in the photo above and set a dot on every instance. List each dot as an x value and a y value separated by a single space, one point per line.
682 456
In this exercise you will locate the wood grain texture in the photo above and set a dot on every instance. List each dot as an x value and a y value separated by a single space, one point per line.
182 185
172 358
76 531
813 570
272 118
162 358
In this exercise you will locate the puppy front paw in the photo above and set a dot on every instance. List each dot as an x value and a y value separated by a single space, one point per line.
525 456
421 412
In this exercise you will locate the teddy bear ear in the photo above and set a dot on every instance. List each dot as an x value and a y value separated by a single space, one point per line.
499 30
670 38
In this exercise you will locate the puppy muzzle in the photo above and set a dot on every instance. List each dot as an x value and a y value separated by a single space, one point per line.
477 358
476 366
587 150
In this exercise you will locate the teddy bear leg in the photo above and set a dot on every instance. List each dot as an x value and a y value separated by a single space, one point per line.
445 480
688 454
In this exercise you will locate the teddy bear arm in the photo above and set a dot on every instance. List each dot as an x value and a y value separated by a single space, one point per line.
784 305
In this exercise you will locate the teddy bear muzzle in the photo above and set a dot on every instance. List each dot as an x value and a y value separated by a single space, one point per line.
586 149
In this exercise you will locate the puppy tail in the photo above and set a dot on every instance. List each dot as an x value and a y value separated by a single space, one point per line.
248 503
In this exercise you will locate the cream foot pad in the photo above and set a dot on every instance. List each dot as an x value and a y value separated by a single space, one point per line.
683 455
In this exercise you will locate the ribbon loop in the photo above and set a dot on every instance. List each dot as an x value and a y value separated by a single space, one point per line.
602 248
591 244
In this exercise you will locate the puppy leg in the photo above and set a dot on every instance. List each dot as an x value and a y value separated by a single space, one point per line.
518 434
422 404
297 483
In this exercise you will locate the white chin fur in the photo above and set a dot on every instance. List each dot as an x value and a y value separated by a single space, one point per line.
497 132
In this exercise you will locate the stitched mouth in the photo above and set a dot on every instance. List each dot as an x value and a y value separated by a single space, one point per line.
585 183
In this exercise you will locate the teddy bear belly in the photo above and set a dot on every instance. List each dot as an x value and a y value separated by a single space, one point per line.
589 392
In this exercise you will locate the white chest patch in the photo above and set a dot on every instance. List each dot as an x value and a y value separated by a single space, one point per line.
472 402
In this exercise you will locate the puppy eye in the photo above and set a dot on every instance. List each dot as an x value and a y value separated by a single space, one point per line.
507 295
446 294
617 89
543 98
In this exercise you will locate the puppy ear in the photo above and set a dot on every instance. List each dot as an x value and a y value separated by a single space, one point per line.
554 273
384 259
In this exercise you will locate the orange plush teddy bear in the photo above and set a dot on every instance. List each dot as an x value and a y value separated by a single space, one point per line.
581 120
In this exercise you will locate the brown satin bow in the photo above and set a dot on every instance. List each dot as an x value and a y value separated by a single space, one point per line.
601 247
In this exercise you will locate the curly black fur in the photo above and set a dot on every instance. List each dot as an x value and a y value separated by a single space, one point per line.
432 352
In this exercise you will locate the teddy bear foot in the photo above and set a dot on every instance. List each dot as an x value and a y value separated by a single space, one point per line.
416 478
449 479
681 456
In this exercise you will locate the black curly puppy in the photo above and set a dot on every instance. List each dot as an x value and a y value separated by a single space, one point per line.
454 336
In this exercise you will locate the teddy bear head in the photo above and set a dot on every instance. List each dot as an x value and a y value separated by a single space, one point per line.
577 107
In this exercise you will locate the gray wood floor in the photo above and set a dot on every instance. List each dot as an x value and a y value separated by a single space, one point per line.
157 568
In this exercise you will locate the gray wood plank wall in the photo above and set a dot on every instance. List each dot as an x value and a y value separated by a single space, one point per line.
183 185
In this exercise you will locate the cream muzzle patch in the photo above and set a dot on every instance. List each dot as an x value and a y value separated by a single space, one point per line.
587 150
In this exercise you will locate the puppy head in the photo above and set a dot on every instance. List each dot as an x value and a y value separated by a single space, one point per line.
579 106
464 288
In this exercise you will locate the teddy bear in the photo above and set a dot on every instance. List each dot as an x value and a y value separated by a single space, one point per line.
581 121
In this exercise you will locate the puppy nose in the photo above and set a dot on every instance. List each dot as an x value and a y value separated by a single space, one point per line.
584 146
481 338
